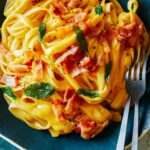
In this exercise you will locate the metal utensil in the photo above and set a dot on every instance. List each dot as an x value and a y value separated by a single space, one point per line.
136 87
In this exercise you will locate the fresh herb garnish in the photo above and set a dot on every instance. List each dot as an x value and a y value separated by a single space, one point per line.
99 10
8 91
108 68
89 93
39 90
41 31
132 5
80 39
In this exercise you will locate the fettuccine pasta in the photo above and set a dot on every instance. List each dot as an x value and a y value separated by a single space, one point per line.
63 62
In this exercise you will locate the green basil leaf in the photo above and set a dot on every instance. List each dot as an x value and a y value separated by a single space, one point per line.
108 68
87 92
39 90
8 91
41 31
132 6
99 10
80 39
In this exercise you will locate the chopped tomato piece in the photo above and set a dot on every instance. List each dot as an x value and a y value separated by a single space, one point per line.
59 7
35 1
71 99
58 77
73 3
85 126
86 62
89 63
38 48
68 94
38 67
121 39
70 59
28 100
58 108
19 68
9 80
29 55
111 32
63 55
79 17
128 30
124 32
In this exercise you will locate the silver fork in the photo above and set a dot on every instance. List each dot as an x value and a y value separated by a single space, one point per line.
136 87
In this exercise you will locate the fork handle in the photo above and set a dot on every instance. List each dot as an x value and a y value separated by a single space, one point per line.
135 134
123 129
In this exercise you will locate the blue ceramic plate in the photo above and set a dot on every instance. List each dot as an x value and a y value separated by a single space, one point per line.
32 139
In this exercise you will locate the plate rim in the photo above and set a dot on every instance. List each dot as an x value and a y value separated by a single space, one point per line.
13 143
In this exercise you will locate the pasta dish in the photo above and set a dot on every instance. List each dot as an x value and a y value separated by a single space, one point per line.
63 62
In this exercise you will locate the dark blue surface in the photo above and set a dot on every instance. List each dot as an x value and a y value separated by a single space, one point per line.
6 146
41 140
143 10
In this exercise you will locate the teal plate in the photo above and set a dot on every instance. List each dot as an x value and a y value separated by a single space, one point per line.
32 139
